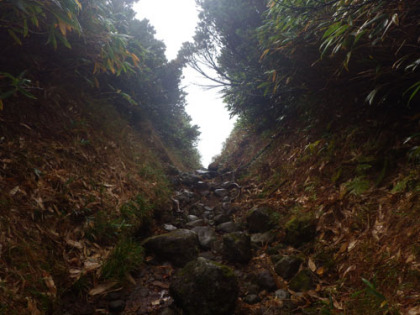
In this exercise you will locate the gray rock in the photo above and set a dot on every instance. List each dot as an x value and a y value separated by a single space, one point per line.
116 306
281 294
221 192
221 218
237 247
177 247
206 288
252 299
199 222
261 239
192 217
302 281
266 281
169 227
287 266
258 220
227 227
206 236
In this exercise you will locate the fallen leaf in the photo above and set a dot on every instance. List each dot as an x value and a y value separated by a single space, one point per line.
14 191
49 282
351 268
320 271
72 243
102 288
414 311
311 264
351 245
91 265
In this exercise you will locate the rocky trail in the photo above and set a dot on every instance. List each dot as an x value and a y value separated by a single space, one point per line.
212 255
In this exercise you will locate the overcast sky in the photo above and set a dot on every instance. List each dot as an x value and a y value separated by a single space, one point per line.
175 22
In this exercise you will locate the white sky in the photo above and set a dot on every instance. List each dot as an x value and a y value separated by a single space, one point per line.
174 22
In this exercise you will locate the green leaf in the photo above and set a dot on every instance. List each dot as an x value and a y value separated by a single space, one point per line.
14 36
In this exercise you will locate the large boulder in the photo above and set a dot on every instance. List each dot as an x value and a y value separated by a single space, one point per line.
237 247
258 220
206 288
177 247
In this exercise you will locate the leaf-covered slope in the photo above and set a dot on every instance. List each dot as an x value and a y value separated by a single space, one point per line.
360 181
76 179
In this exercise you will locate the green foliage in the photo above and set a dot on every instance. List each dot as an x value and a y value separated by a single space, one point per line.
358 185
126 257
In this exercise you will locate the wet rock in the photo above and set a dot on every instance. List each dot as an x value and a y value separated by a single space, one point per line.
237 247
227 227
302 281
206 236
258 220
221 218
261 239
206 288
300 231
287 266
252 299
116 306
281 294
266 281
177 247
221 192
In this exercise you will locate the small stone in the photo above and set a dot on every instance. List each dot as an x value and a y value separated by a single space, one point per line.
116 306
266 281
281 294
252 299
227 227
192 217
169 227
287 266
